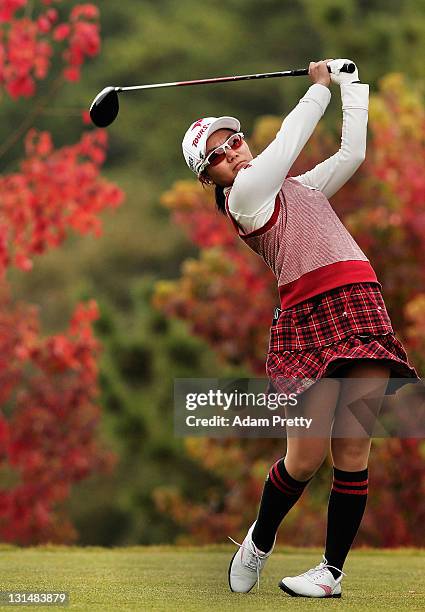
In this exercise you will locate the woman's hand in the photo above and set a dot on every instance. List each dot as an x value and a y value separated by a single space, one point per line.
319 73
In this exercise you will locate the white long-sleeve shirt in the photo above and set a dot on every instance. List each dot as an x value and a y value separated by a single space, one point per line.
252 196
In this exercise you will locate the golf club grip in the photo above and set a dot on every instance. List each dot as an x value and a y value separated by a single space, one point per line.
350 68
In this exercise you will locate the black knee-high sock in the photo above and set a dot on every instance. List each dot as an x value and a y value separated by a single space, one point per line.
347 503
280 493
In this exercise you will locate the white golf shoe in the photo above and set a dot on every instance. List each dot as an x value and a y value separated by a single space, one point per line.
247 564
317 582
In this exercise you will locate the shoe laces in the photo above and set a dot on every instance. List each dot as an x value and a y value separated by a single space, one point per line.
254 560
321 569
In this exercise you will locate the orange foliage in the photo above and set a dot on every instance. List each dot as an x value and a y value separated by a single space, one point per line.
227 295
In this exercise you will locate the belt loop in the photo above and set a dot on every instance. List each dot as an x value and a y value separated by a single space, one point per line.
345 314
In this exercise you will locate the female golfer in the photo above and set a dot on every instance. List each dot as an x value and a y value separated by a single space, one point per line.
332 321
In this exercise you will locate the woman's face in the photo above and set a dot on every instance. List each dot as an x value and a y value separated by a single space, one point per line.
225 172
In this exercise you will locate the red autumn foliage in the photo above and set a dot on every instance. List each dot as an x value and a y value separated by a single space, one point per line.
54 192
48 385
227 297
49 440
27 45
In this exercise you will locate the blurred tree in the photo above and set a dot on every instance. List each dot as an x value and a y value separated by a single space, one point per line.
380 36
50 416
148 42
143 351
382 207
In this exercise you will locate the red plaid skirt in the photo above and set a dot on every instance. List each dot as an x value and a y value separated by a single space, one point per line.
314 338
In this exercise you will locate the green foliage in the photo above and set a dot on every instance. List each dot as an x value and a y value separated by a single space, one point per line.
142 352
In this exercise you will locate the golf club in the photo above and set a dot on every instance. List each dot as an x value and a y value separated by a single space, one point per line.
105 106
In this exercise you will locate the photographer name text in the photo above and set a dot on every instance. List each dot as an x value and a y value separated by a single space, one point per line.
247 421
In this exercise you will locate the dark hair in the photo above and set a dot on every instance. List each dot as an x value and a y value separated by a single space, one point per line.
220 199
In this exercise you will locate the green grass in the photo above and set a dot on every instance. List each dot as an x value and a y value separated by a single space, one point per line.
189 578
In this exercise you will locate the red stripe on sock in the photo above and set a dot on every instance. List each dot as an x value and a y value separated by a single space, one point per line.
276 484
279 477
280 486
350 491
290 490
345 483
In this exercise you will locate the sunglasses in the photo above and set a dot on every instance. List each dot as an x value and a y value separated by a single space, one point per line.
219 153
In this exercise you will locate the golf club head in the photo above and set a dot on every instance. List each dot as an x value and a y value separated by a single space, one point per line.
105 107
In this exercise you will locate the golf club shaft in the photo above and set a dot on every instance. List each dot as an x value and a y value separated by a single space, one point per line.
245 77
